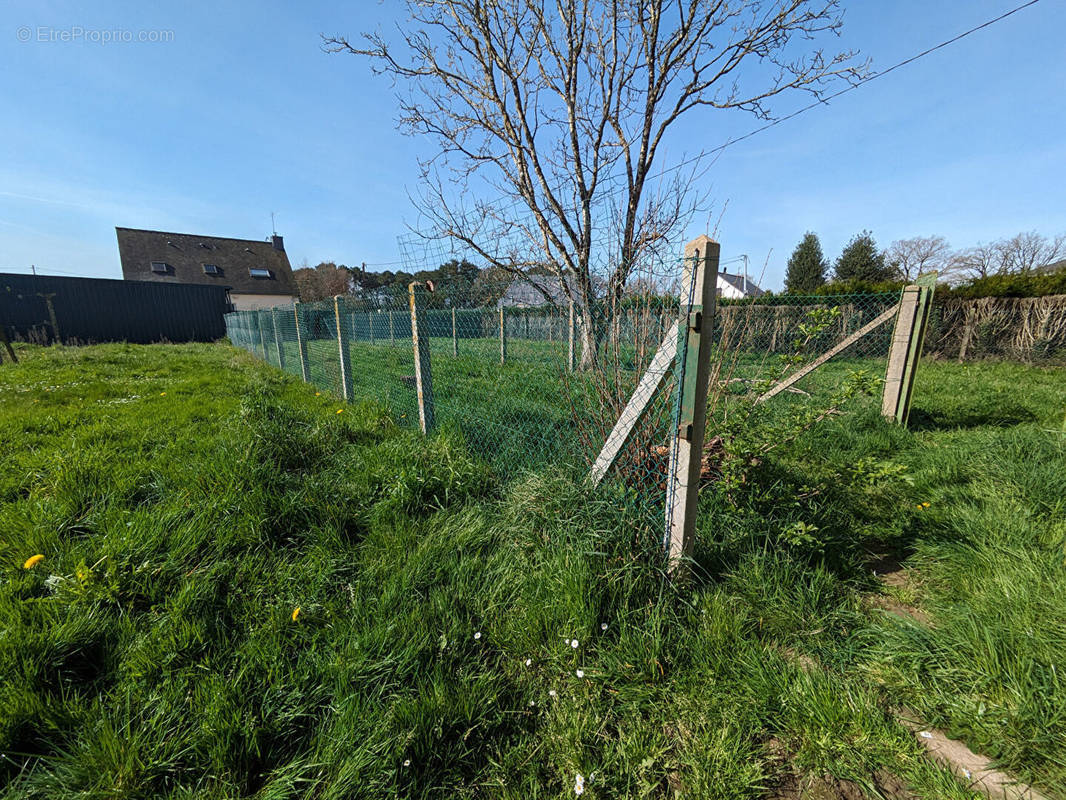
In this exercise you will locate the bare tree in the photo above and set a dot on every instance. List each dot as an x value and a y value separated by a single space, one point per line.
1023 252
912 257
563 107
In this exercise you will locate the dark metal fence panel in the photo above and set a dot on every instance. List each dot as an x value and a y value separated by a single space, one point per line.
87 310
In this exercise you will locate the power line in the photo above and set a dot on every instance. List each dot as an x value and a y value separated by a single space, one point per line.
824 100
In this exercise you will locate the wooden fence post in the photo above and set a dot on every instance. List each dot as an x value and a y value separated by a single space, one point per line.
342 351
301 345
503 339
571 353
277 339
455 335
906 349
695 323
423 372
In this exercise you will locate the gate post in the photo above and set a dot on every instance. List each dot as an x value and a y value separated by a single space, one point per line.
695 325
342 351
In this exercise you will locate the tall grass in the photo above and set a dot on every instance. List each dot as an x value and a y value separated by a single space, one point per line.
157 651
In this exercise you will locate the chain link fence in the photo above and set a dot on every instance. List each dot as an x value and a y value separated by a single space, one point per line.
531 379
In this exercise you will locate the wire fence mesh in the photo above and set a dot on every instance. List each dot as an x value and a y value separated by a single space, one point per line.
529 377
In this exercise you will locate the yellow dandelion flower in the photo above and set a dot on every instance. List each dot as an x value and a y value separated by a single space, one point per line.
318 394
925 505
920 507
162 394
33 561
340 410
295 613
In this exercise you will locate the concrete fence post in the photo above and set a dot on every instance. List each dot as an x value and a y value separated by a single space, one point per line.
906 349
695 326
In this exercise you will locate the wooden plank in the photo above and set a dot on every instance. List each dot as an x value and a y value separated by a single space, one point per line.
785 383
342 351
637 406
423 373
301 345
695 326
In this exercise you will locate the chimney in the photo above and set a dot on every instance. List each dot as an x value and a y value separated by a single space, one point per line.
278 242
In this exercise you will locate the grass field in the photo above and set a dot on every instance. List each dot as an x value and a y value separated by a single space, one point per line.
244 593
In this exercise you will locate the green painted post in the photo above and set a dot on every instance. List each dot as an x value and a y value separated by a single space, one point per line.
695 324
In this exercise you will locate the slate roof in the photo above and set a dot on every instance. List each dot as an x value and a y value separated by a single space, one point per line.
186 253
737 282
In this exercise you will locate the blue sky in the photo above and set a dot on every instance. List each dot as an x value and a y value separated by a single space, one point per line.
240 113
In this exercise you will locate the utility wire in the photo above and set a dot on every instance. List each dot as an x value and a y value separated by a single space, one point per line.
824 100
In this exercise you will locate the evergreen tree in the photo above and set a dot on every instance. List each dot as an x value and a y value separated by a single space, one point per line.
806 266
862 261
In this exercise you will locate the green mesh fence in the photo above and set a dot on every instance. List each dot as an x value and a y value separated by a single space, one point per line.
531 380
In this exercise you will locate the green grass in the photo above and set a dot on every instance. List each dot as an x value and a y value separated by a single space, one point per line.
153 653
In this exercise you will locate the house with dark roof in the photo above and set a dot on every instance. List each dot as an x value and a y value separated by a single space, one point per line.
257 273
736 287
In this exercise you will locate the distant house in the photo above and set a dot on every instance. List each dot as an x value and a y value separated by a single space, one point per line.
257 273
536 290
736 287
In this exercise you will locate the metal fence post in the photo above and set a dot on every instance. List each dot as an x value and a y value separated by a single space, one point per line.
695 325
342 351
301 345
277 339
371 318
503 339
392 334
423 373
571 353
262 338
455 335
